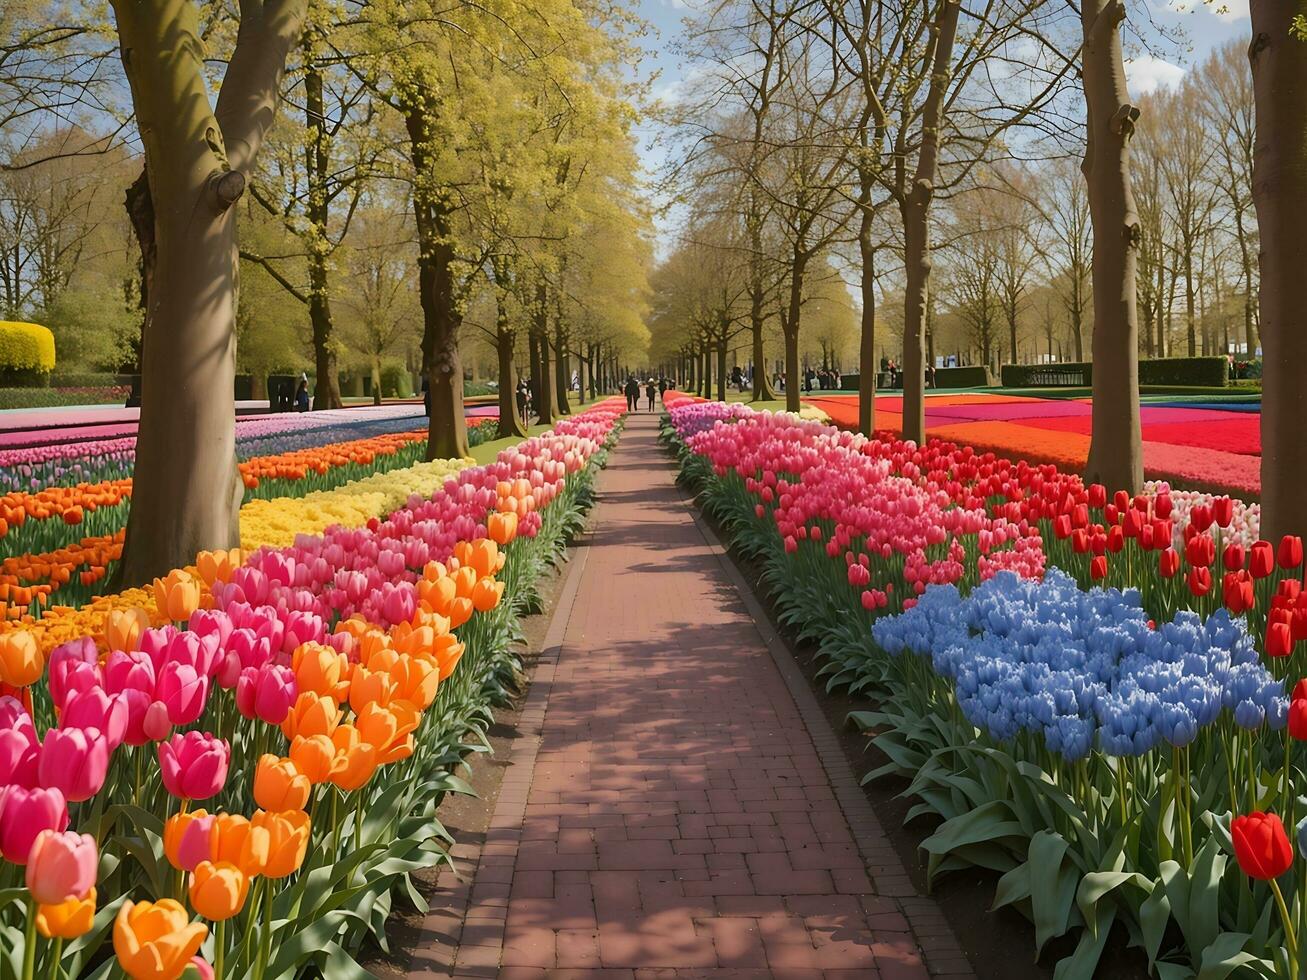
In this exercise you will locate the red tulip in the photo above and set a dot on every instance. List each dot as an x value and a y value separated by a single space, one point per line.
1290 555
1279 639
1121 499
1300 690
1098 567
1237 589
1199 580
1262 559
1116 538
1097 495
1200 550
1261 846
1298 719
1233 558
1080 515
1080 541
1134 523
1146 537
1162 506
1062 527
1168 562
1200 517
1223 511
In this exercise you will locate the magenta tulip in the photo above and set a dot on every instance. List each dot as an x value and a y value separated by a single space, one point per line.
266 692
19 754
133 670
24 813
107 713
195 846
74 761
73 666
61 866
194 765
184 690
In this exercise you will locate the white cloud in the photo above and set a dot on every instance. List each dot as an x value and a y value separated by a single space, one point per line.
1149 73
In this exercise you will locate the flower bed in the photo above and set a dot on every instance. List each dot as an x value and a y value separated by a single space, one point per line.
1090 691
313 700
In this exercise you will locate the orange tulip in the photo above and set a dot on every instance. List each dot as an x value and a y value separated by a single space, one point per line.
437 594
372 641
320 669
486 594
485 557
465 580
502 528
460 612
368 686
177 595
218 891
279 784
288 833
217 566
416 679
67 920
21 659
155 940
447 650
389 728
311 715
357 759
314 756
237 841
123 628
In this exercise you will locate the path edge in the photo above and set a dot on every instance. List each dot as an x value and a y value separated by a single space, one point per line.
940 950
471 945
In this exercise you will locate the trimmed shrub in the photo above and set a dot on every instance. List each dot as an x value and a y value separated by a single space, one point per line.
395 381
49 397
1188 372
850 382
1064 374
962 377
92 379
26 354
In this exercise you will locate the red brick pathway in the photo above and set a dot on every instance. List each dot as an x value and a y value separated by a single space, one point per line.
678 805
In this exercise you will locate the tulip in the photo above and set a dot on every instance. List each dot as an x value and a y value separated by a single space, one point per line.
1237 590
1098 567
1290 553
73 666
155 940
314 756
24 813
177 595
18 751
198 969
280 785
1200 517
1199 580
194 765
1097 495
389 729
107 713
321 670
501 528
21 661
67 920
266 692
74 761
288 840
123 628
1223 511
218 891
1261 560
235 840
187 838
486 594
311 715
1279 640
1261 846
61 866
356 760
1168 562
1233 557
183 691
1298 719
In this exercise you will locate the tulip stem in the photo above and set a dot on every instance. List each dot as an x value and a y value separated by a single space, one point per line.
265 934
29 941
55 970
1290 939
219 948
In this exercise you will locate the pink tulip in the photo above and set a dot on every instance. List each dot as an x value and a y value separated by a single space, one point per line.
73 666
19 751
195 847
107 713
24 813
61 866
134 670
74 761
183 690
266 692
194 765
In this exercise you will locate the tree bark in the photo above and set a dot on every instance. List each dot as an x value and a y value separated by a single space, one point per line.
510 423
317 151
1115 450
186 488
790 331
562 366
544 391
867 341
721 365
1279 67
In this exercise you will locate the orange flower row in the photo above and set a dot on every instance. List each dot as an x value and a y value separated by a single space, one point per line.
299 463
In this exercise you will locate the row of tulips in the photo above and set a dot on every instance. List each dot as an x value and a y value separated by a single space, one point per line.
75 571
1056 675
250 753
42 520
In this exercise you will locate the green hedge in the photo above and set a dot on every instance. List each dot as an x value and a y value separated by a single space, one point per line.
1195 372
91 379
962 377
26 354
51 397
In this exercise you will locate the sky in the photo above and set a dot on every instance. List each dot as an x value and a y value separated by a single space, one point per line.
1167 37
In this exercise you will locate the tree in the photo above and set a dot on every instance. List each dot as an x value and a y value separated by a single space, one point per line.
1116 456
198 157
1065 209
1278 54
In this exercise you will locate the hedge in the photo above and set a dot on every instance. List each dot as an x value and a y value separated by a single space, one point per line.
1198 372
92 379
26 354
51 397
962 377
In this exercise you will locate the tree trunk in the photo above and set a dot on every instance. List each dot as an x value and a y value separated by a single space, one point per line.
544 392
1115 451
376 379
317 150
140 210
793 378
1279 67
1190 320
706 369
186 488
917 263
562 366
721 366
510 423
867 340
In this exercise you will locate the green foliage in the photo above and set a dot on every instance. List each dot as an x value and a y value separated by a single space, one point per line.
1197 372
49 397
26 353
962 377
93 328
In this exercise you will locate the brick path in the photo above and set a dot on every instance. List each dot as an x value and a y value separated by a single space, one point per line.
678 805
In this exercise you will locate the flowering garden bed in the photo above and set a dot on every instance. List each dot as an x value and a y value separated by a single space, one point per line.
1096 695
238 770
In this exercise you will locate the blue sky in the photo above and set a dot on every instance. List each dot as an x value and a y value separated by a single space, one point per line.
1169 36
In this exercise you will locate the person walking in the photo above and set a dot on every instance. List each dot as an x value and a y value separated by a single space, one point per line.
650 390
632 394
302 394
523 400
